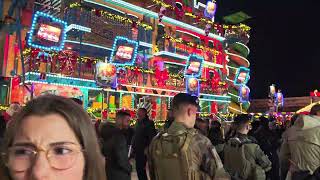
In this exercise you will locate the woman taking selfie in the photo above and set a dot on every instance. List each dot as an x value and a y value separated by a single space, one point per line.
51 138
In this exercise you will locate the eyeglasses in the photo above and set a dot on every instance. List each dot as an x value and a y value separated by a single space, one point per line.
20 158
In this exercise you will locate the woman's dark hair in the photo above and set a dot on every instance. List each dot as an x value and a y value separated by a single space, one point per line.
77 119
78 101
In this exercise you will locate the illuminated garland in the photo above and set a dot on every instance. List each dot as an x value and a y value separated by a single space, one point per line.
28 51
3 108
111 16
163 4
243 27
191 44
254 115
151 71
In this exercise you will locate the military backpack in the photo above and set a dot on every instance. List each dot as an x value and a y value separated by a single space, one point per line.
237 164
171 158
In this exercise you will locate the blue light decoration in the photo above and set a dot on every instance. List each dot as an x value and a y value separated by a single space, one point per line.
47 32
106 75
124 51
192 86
244 94
34 77
242 76
194 66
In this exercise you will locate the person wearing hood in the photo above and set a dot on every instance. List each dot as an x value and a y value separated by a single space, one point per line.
300 150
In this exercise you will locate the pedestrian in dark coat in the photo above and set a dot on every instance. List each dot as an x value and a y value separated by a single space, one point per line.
115 149
215 134
144 133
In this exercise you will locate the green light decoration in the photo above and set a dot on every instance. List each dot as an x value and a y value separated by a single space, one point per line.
99 98
236 18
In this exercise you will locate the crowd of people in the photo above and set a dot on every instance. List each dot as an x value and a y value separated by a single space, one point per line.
53 137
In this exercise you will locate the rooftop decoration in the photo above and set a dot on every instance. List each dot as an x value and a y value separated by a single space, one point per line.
110 15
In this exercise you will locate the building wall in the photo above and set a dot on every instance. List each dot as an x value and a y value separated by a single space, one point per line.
291 104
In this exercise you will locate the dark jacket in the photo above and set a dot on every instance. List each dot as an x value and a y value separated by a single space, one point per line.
115 150
128 133
144 133
270 142
215 136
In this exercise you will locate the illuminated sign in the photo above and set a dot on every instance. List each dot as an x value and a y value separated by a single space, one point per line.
194 66
106 75
242 76
124 51
47 32
192 86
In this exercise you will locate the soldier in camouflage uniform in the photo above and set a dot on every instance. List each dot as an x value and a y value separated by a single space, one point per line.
180 152
243 157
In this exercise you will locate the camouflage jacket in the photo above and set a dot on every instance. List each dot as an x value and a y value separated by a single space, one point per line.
253 152
202 153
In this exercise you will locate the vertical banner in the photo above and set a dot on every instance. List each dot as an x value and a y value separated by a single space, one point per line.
244 94
194 65
106 75
192 86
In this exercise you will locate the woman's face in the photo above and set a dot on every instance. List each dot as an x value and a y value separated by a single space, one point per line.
40 134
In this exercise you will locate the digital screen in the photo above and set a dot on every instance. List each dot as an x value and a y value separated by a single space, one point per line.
49 33
244 93
193 66
242 76
124 53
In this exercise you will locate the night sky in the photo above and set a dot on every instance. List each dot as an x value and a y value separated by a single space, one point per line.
284 44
